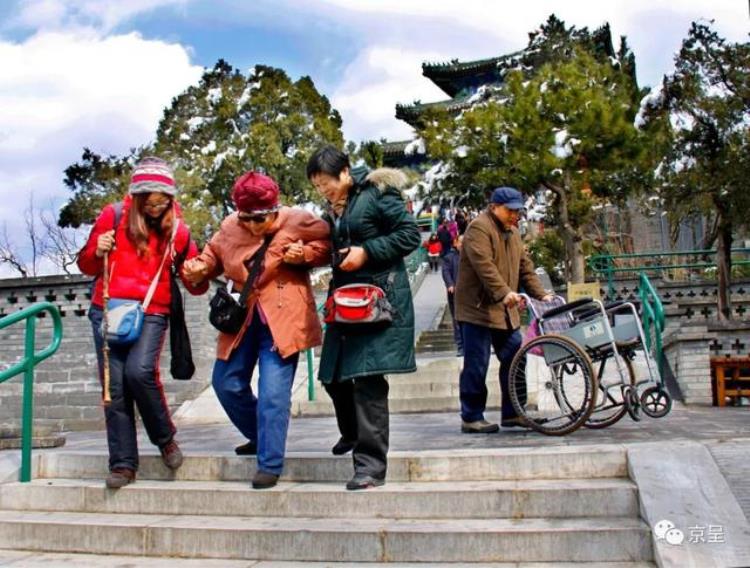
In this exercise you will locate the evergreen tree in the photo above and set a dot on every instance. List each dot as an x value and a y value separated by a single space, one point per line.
699 118
566 126
215 131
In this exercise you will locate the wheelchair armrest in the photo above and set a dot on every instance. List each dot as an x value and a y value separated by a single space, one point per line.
565 308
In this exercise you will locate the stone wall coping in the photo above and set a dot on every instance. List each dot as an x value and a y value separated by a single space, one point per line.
45 281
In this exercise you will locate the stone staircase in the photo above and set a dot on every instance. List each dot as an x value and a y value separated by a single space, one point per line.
546 505
439 340
432 388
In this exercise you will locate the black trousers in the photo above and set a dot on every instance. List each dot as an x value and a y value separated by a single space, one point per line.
134 382
361 406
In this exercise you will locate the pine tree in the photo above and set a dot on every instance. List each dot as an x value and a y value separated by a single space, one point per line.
566 126
699 118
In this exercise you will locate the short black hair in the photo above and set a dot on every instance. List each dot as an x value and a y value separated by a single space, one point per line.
327 160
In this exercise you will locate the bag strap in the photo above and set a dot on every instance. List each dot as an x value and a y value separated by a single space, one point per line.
155 281
255 269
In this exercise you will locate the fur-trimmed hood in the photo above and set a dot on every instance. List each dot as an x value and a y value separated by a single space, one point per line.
387 177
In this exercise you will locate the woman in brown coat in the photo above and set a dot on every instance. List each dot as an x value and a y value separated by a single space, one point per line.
282 319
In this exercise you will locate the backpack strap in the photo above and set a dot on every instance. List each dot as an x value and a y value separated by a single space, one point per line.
118 213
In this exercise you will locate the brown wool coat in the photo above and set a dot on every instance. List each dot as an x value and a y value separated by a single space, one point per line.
493 263
283 290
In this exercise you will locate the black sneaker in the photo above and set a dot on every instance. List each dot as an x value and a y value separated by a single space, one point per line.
479 427
264 480
362 481
249 449
342 447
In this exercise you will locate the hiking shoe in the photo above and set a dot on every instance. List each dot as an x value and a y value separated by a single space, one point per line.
479 427
264 480
171 455
342 447
362 481
249 449
119 477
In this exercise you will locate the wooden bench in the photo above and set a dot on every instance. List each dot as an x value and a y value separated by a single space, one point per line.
732 378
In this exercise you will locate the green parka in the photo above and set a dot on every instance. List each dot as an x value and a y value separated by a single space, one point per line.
376 219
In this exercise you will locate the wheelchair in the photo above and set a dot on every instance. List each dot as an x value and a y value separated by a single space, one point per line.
576 367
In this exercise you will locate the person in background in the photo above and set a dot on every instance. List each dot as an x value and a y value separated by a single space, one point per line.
140 236
281 321
444 236
434 248
450 276
371 233
492 267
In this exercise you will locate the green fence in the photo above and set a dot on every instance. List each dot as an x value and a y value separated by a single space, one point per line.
26 366
660 263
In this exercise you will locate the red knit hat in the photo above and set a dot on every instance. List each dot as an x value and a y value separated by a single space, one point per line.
255 193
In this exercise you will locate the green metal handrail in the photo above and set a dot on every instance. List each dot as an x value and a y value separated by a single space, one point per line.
652 318
26 366
607 264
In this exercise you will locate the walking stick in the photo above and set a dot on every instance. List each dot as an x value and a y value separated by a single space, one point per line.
105 329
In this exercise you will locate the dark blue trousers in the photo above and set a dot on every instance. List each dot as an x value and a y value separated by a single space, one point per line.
134 381
477 342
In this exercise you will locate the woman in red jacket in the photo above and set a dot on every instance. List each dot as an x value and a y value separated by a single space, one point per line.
141 235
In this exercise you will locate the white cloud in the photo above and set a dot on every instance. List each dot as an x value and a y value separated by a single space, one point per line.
62 91
103 15
373 83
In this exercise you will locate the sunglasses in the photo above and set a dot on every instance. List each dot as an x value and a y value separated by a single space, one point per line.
251 218
157 206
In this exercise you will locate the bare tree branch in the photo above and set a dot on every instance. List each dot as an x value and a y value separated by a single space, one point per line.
63 244
9 254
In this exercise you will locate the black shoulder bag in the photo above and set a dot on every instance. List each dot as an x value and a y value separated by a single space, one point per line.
181 366
227 314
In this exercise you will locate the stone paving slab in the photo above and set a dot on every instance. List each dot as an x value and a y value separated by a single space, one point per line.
18 559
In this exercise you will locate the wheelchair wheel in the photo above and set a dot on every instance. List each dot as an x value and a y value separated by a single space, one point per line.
632 402
656 402
610 405
552 385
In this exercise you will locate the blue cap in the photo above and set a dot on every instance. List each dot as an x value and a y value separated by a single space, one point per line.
511 198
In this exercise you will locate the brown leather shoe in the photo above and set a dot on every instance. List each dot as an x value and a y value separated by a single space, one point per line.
264 480
119 477
479 427
171 455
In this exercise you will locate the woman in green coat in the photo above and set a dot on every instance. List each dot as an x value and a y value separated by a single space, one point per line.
372 233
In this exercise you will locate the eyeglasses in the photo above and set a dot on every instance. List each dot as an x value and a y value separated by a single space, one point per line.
252 218
157 206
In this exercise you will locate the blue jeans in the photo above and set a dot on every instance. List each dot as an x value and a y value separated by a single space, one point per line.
477 341
265 419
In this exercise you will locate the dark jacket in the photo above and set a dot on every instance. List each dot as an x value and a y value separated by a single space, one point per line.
375 218
445 238
493 263
450 268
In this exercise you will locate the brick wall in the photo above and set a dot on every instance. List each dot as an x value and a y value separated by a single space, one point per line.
67 393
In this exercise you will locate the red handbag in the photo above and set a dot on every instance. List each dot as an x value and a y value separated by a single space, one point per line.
358 304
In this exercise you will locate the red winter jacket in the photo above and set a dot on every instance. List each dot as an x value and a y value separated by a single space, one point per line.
131 274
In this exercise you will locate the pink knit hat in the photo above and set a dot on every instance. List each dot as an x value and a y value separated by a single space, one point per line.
152 174
255 193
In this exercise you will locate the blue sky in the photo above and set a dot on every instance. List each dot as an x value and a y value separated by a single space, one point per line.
98 73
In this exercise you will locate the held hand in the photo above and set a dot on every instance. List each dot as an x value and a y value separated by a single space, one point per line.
105 243
451 289
294 253
354 260
194 270
512 299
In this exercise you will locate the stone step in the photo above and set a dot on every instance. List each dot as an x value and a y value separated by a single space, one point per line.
569 498
345 539
324 407
71 560
580 462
